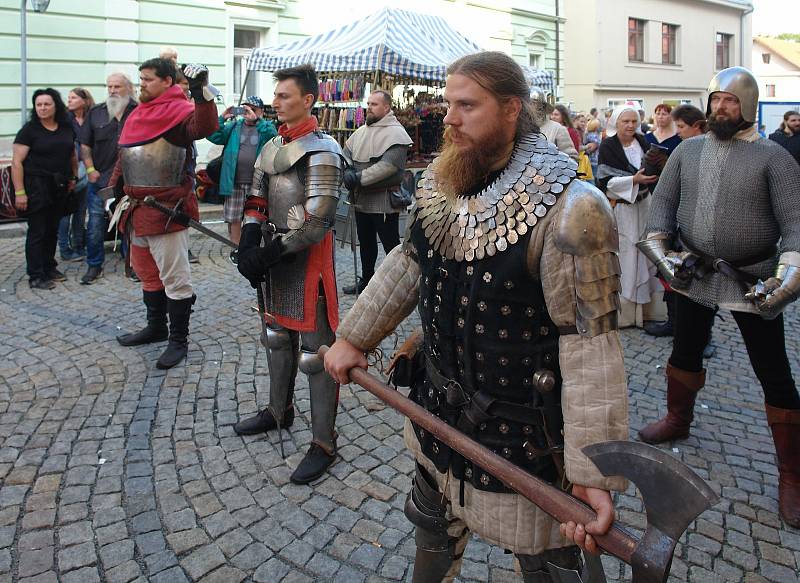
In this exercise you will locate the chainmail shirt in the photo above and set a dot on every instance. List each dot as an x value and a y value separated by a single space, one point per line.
729 199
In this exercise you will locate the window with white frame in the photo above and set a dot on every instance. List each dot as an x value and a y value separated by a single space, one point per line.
244 41
724 42
636 40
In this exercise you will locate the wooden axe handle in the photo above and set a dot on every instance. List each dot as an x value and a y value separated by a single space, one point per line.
558 504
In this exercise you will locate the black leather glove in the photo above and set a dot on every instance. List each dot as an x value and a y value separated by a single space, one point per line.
254 263
251 237
352 178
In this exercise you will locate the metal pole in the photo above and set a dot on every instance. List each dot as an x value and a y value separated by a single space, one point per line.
23 59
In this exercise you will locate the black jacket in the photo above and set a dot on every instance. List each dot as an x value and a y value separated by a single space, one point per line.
612 154
791 143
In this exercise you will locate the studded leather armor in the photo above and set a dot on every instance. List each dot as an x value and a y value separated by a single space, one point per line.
490 345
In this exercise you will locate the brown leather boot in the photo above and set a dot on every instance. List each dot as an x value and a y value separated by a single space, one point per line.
682 388
785 425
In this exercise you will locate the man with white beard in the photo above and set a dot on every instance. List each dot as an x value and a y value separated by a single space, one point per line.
99 138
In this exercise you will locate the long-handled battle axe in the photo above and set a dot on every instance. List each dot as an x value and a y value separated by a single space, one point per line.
673 494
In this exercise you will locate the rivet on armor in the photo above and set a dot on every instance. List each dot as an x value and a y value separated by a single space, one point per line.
507 453
479 328
470 270
482 427
435 447
479 356
527 361
529 455
527 382
526 335
544 331
527 430
504 428
508 284
430 253
438 286
468 473
436 309
482 306
487 277
427 280
548 357
460 322
505 310
481 377
586 230
503 382
460 349
425 303
443 272
503 360
464 300
530 312
503 334
544 380
430 393
484 479
421 433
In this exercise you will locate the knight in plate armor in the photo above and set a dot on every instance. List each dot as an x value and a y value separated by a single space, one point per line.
154 160
724 231
292 208
512 264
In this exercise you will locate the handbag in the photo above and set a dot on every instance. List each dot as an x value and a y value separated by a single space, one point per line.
214 168
400 199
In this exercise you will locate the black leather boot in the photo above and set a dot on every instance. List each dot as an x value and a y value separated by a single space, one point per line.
262 422
315 463
156 328
179 312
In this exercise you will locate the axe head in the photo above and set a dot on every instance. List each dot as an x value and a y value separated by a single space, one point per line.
592 571
673 497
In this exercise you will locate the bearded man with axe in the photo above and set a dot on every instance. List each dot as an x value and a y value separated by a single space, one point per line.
513 266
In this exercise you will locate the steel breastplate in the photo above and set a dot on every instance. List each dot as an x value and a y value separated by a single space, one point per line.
285 191
481 225
157 163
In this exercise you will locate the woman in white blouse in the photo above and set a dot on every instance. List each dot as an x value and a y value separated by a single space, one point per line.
621 176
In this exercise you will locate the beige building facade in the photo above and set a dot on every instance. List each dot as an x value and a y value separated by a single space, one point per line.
651 51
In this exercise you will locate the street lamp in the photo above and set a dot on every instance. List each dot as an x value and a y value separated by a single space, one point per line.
38 6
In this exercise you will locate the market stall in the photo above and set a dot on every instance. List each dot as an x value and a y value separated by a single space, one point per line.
388 49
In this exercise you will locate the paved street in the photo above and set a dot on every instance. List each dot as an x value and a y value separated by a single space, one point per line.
115 471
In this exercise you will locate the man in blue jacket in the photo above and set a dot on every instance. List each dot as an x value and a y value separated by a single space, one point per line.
243 137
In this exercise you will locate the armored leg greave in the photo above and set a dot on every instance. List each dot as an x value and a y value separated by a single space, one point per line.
323 389
438 554
282 362
535 567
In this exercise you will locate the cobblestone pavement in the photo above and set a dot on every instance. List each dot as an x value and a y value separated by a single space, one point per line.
115 471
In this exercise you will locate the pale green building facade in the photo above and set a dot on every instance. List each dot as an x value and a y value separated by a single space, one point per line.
80 42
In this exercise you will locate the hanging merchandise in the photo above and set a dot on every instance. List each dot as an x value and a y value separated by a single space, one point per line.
349 88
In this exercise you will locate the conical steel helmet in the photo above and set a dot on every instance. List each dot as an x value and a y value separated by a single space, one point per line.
741 83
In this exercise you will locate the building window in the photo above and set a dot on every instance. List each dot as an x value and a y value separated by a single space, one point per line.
669 41
765 58
723 50
244 41
635 40
770 90
535 61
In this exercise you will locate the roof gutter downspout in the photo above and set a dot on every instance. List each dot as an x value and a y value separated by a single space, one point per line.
558 48
744 15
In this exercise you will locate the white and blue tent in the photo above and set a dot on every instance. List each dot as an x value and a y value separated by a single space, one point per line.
394 42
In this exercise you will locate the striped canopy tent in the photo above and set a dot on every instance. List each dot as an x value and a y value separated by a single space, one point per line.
390 41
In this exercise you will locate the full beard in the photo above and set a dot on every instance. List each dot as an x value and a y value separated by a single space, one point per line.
725 129
116 105
461 171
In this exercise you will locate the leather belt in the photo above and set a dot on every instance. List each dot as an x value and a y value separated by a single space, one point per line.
727 268
478 406
639 198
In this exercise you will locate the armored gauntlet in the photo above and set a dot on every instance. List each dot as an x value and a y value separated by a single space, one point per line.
780 290
674 266
199 87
